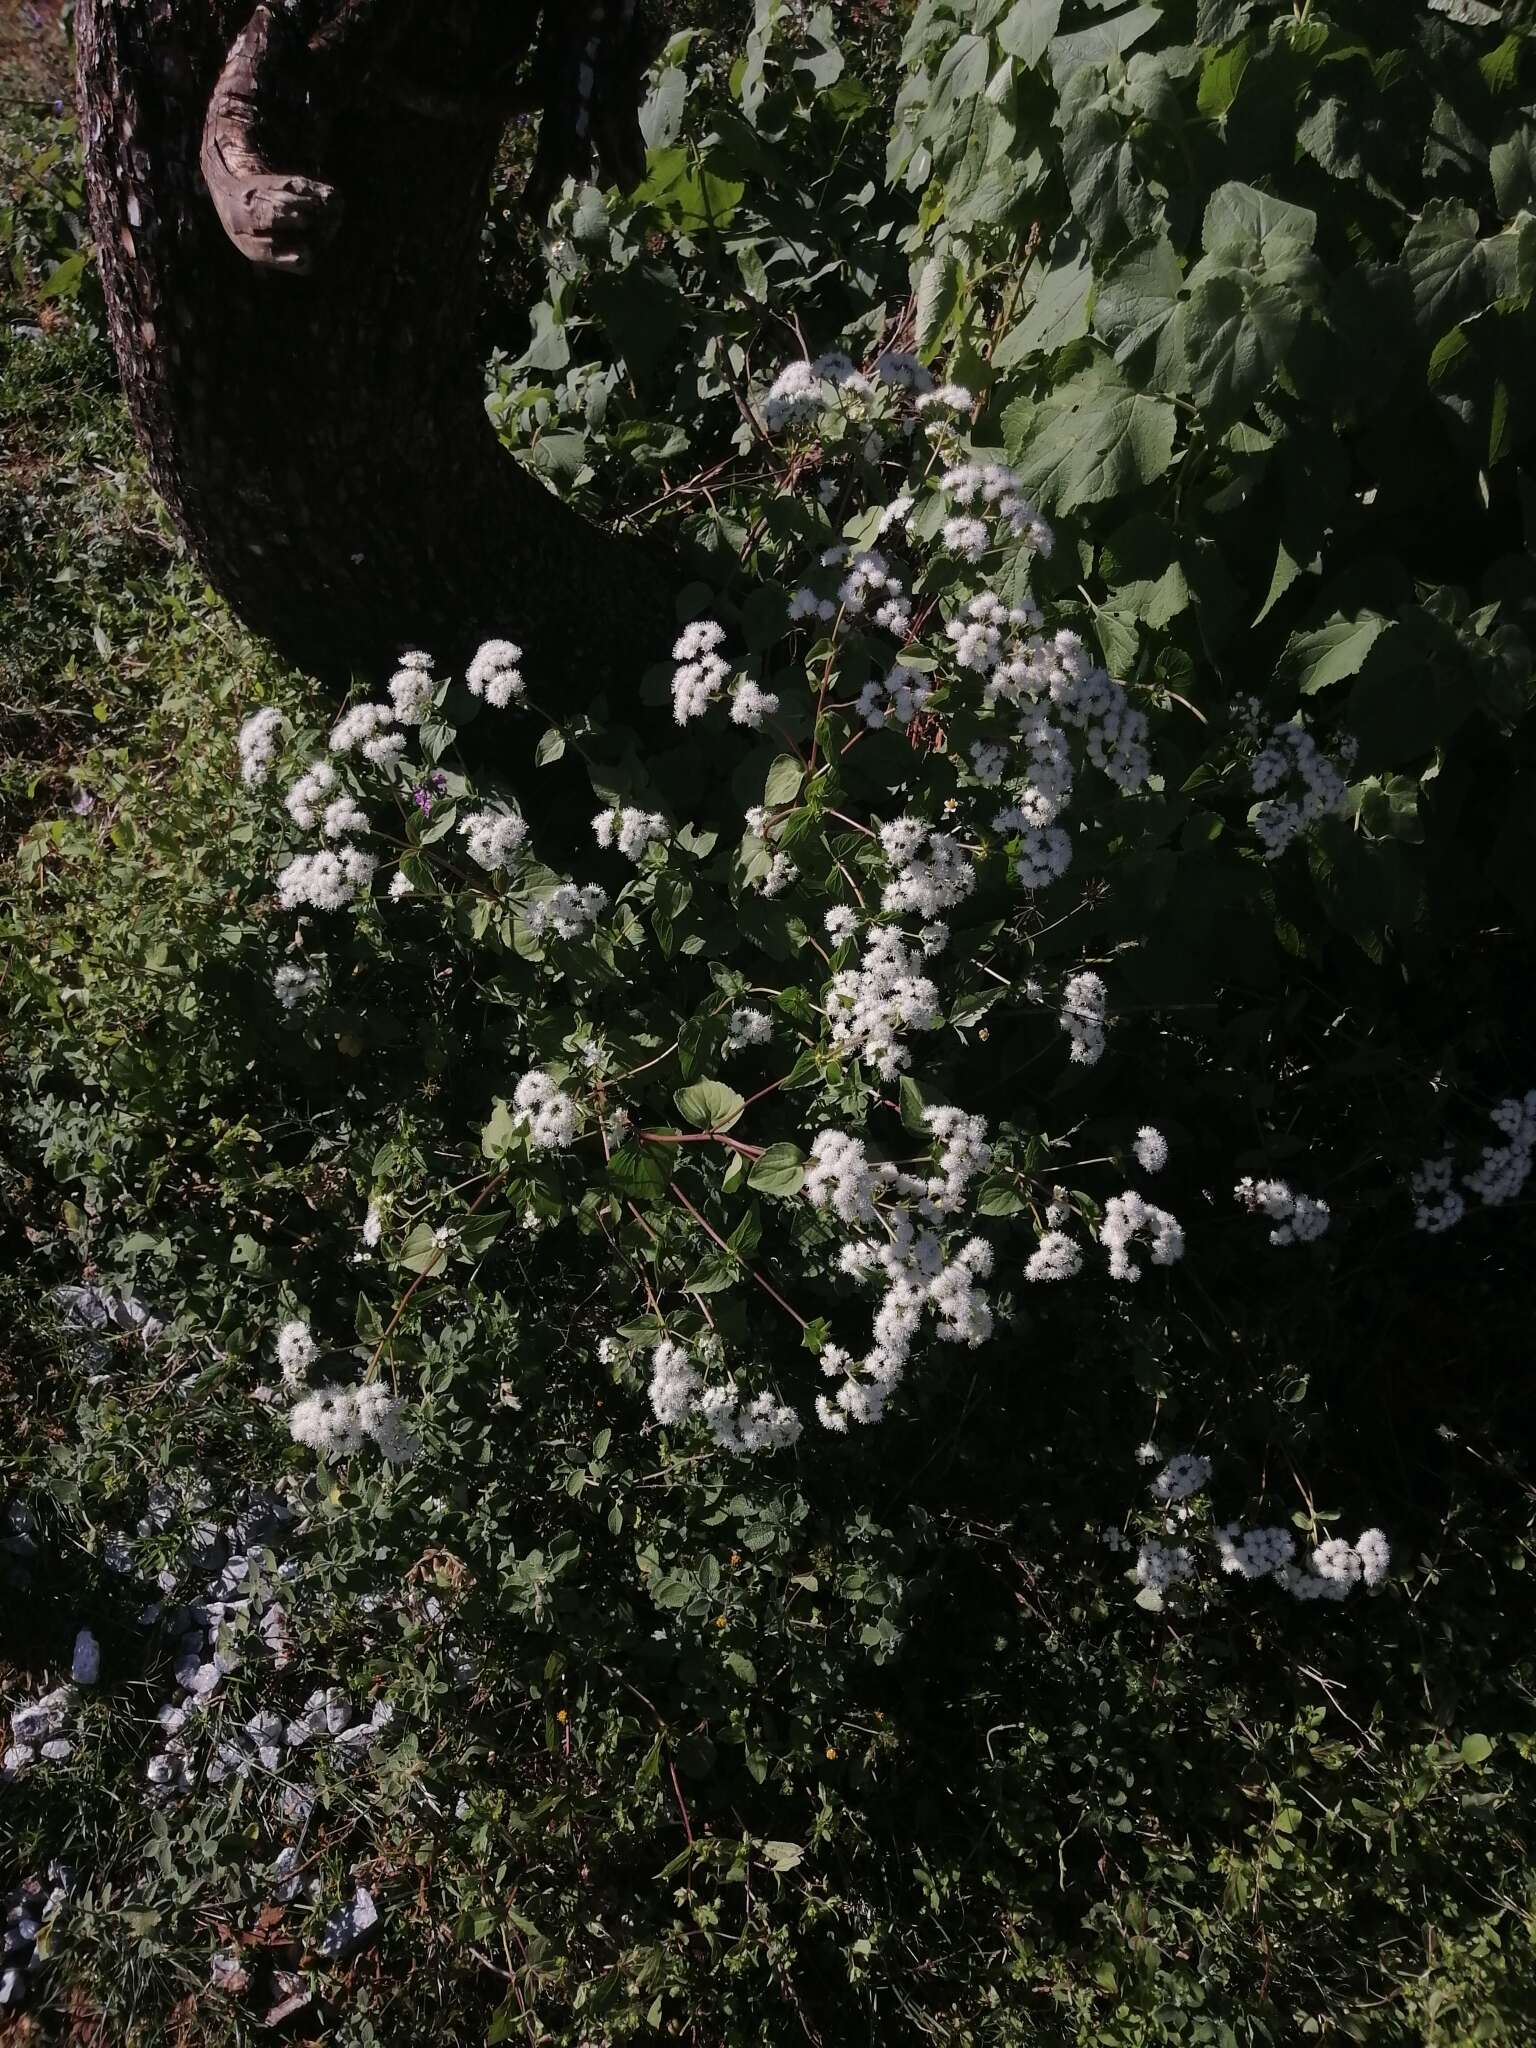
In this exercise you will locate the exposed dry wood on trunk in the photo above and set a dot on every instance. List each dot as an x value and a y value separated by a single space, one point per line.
314 417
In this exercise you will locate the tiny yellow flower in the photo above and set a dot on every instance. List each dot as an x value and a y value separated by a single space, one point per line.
831 1754
719 1621
562 1715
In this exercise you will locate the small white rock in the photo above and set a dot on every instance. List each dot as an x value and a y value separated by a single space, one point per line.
85 1667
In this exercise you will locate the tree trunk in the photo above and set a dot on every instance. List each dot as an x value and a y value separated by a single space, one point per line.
302 372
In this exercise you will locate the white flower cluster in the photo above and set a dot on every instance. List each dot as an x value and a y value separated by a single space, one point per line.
678 1394
675 1385
967 537
257 745
1503 1171
1088 697
763 1423
296 1351
896 366
747 1026
336 1421
947 398
547 1115
412 688
901 1213
809 604
984 630
1160 1565
1151 1149
1056 1257
1254 1553
1438 1205
629 831
1292 755
1184 1474
305 799
871 1006
900 695
326 880
494 837
780 872
292 984
1129 1216
343 814
997 489
1044 852
568 910
1083 1002
751 705
930 870
871 582
701 669
1337 1567
1500 1175
366 728
1298 1219
1046 786
804 389
494 673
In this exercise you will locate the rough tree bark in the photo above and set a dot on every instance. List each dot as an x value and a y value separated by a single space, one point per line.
288 206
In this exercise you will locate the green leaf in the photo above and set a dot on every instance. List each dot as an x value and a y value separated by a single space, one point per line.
636 1172
421 1252
1512 167
1110 197
1444 262
1236 330
938 297
1103 44
1137 298
913 1108
782 1855
709 1105
477 1233
1027 30
1058 312
64 279
714 1273
1093 437
662 115
1142 564
1238 216
1287 569
500 1134
783 782
1476 1749
1317 660
780 1171
1220 78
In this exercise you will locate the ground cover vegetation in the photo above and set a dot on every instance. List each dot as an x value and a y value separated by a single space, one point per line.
838 1351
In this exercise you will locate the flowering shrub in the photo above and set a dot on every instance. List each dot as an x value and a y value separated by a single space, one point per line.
841 1337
